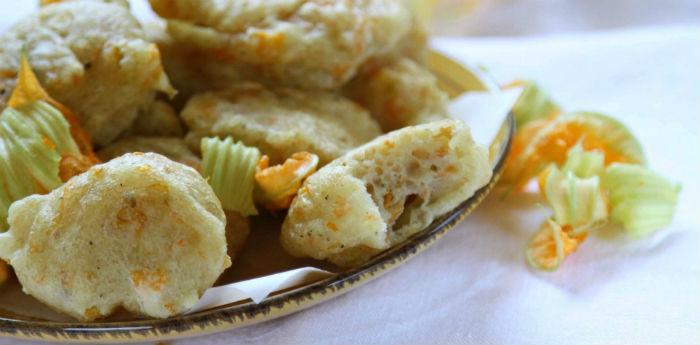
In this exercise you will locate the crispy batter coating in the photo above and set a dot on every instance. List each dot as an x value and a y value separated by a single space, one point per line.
172 147
280 121
140 231
398 94
91 56
189 78
414 45
158 119
237 231
311 44
383 192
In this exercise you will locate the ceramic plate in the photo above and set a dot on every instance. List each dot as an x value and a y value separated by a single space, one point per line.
28 319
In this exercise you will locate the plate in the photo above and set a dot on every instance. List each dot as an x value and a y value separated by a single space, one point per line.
31 320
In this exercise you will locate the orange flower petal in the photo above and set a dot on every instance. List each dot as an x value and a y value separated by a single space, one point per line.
29 90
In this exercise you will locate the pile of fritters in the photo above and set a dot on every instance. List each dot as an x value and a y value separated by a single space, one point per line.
343 80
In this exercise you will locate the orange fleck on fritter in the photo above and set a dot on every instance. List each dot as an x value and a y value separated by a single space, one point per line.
92 313
153 279
35 248
70 166
420 154
444 132
269 45
341 208
388 199
170 307
160 187
442 151
76 79
131 214
339 71
332 226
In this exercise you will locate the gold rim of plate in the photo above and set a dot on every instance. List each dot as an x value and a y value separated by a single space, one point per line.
455 79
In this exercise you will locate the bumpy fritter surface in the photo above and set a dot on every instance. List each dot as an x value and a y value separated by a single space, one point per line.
414 45
237 231
140 231
398 94
310 44
189 78
93 57
383 192
280 121
174 148
157 119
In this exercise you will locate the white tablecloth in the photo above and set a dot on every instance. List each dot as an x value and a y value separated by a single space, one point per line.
473 287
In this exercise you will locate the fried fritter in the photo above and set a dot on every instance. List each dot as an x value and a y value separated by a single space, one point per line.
237 231
140 231
91 56
172 147
237 226
398 94
414 45
192 70
310 44
158 119
383 192
280 121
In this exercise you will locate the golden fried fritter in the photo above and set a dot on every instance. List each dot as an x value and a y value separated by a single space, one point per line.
192 70
91 56
140 231
310 44
398 94
280 121
237 231
172 147
383 192
158 119
414 45
237 226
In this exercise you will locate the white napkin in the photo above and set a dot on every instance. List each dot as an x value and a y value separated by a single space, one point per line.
259 288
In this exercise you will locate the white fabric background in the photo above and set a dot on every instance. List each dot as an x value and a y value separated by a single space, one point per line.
473 286
538 17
